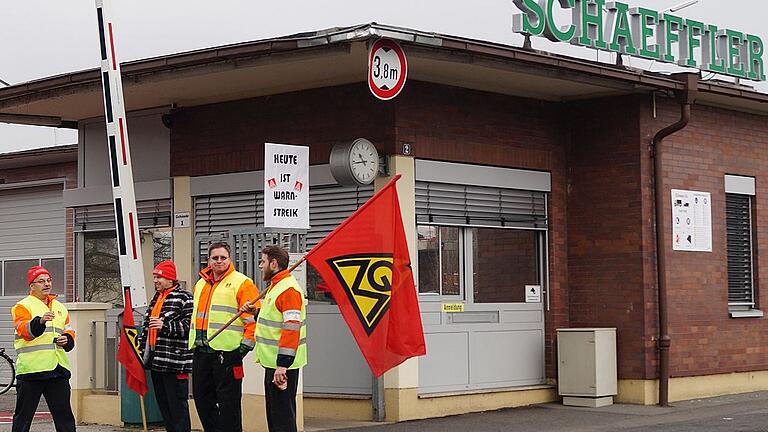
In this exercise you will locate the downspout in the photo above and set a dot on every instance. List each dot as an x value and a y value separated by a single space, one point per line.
686 98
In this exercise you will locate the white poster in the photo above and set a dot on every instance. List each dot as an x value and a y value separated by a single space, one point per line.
691 221
286 186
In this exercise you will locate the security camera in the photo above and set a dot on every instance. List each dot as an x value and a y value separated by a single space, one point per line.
167 120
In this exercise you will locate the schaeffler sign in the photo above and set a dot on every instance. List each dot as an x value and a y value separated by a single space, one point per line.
646 33
387 69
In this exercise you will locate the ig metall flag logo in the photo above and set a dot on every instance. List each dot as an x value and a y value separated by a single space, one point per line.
367 281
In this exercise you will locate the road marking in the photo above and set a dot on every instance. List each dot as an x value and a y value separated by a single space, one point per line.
6 417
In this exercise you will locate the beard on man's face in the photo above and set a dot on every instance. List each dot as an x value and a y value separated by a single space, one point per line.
267 274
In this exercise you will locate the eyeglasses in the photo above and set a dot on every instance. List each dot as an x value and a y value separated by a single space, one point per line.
218 258
42 281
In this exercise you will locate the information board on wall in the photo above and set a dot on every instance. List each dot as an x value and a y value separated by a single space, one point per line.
691 221
286 186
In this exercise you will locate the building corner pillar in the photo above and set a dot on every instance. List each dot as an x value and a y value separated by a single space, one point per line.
401 383
183 237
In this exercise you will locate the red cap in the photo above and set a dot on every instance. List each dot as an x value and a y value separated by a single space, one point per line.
34 272
166 269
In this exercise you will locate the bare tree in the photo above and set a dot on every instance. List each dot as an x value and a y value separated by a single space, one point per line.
101 270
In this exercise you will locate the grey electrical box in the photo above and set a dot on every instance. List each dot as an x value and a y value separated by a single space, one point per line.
586 367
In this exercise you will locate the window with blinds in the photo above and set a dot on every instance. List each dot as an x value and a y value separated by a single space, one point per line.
738 209
152 214
216 213
330 205
216 216
454 204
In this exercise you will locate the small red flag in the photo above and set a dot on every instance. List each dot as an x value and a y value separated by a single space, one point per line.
367 269
128 350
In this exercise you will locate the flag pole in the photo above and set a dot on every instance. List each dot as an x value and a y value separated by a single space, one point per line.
252 302
143 413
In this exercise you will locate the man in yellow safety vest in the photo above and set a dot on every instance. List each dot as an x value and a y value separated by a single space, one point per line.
43 335
217 365
281 338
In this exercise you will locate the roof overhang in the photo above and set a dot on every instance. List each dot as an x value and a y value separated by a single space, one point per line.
336 57
42 156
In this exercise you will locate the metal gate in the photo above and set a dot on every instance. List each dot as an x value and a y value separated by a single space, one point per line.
336 365
246 244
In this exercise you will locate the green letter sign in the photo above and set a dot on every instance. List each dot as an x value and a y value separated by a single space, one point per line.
553 32
531 21
643 21
588 19
645 33
621 34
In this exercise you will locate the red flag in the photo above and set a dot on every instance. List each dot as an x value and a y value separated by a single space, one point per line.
128 350
367 268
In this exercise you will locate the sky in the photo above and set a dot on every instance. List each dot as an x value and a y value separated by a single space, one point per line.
41 38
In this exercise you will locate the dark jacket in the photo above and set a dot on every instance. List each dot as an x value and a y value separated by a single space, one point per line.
171 354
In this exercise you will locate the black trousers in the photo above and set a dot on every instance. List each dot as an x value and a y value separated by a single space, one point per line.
281 404
217 386
56 392
172 397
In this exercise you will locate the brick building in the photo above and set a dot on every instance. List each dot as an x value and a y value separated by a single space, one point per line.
520 169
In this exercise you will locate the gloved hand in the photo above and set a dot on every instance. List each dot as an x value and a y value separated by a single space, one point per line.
244 349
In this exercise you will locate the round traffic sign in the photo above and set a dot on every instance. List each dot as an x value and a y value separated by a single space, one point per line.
387 69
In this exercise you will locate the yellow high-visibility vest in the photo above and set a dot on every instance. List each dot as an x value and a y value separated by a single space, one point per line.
271 323
222 308
41 354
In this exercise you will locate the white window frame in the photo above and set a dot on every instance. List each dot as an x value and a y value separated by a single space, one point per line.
466 265
742 185
39 262
439 297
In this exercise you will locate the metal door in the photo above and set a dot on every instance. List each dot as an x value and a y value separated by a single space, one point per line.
482 240
496 341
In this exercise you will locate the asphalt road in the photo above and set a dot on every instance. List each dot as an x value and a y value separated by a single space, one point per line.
739 413
747 412
8 402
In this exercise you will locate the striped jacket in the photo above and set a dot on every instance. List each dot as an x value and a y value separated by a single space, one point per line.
170 353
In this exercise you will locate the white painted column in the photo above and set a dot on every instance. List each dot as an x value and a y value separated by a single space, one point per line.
148 252
183 238
407 374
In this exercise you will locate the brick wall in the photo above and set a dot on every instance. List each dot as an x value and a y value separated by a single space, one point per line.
612 279
705 340
229 137
607 271
67 171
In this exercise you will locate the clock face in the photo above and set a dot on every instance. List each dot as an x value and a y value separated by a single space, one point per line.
364 161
